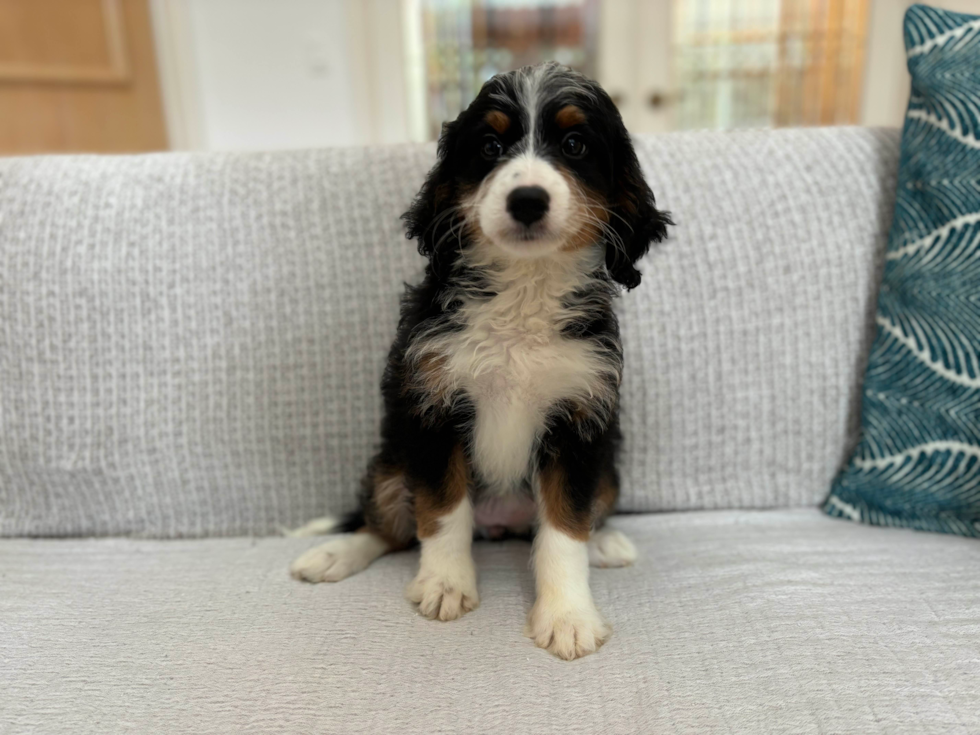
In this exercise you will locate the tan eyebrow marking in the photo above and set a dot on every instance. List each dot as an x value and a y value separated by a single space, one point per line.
569 115
498 120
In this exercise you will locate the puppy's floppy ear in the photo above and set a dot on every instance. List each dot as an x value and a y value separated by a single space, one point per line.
635 218
430 219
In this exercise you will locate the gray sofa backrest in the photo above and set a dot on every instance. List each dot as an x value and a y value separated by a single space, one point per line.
191 344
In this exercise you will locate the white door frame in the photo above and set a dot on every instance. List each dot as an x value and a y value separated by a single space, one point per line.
388 66
177 68
635 61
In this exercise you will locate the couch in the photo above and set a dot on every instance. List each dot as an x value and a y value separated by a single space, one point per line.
190 348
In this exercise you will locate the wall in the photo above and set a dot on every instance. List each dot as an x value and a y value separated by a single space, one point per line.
273 75
269 74
887 82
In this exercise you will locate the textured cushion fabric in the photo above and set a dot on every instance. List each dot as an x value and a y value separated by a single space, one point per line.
918 460
191 345
779 621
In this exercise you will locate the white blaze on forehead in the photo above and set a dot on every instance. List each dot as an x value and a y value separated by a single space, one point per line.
544 85
532 98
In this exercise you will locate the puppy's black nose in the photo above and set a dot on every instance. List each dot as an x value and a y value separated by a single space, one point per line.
528 204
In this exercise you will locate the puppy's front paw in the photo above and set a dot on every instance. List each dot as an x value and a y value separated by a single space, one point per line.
444 596
567 631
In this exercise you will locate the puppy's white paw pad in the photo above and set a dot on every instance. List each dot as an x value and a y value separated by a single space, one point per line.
568 633
334 560
610 548
442 599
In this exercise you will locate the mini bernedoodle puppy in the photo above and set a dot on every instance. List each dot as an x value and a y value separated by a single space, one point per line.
502 386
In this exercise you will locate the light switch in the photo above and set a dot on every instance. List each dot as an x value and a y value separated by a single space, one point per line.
316 55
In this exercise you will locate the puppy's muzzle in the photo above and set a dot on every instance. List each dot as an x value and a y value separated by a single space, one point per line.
528 204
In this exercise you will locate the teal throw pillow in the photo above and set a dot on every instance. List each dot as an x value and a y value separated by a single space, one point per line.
917 464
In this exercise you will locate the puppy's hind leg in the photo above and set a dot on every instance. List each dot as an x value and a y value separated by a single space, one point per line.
610 548
340 557
389 525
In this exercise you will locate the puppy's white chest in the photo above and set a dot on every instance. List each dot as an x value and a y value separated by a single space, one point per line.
509 356
513 377
514 364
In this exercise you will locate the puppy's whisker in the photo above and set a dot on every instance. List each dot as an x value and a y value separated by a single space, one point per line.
615 214
454 229
584 217
598 205
450 211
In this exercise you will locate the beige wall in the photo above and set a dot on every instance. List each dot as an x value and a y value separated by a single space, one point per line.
886 84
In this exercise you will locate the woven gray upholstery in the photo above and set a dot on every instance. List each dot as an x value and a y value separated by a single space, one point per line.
740 622
190 345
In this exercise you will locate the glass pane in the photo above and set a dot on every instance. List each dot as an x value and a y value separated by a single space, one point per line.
752 63
468 41
736 63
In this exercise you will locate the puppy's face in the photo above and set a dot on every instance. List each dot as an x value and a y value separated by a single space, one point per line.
539 163
539 170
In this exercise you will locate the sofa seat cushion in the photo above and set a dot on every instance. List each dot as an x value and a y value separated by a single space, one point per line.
732 621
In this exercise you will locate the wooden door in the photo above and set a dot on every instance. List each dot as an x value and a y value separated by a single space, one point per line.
78 75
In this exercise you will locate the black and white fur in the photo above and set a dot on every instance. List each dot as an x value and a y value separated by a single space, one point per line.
502 386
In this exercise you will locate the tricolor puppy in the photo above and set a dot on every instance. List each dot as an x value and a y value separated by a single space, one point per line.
502 386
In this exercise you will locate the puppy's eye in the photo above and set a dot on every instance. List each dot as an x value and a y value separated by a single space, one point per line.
492 148
573 146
